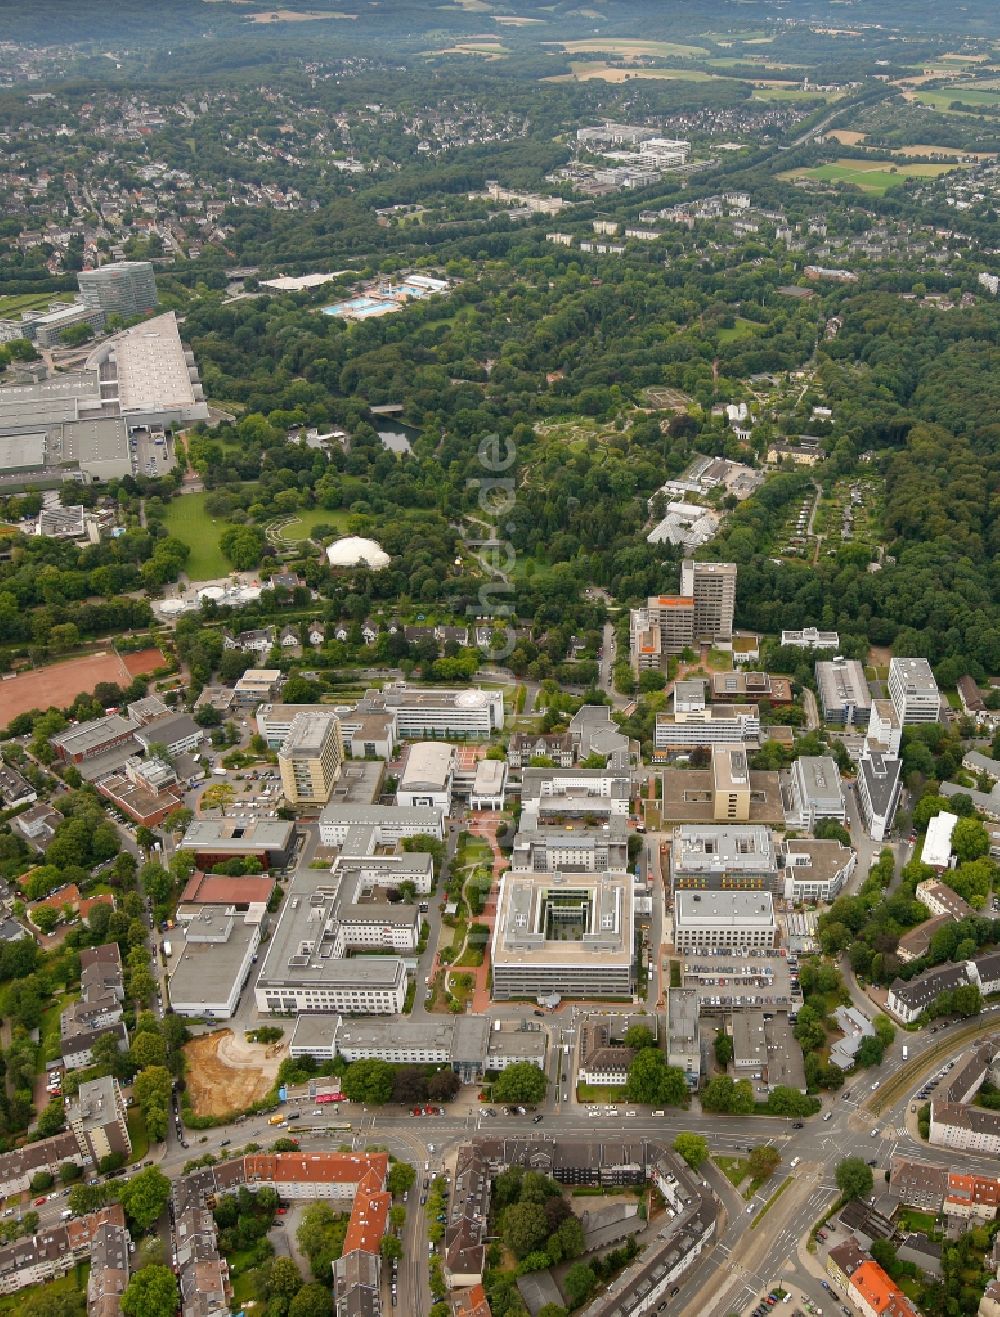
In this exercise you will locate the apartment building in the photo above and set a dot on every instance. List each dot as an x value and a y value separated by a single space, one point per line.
99 1008
723 919
96 1117
914 691
311 758
908 1000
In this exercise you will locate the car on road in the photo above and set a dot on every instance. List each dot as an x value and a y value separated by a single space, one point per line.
676 1290
535 1120
828 1116
39 1201
798 1125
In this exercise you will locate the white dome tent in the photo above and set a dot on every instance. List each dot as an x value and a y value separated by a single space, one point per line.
355 551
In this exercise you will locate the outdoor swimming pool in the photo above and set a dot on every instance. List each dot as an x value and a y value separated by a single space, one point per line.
360 307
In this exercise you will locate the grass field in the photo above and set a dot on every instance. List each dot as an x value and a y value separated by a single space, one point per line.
18 302
73 1283
291 532
740 329
485 49
876 176
791 94
969 94
187 520
632 48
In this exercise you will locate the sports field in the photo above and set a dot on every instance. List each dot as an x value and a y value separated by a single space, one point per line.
876 176
18 302
188 521
59 684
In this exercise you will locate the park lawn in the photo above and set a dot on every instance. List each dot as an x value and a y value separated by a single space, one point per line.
790 94
878 176
188 521
51 1048
739 329
136 1122
307 518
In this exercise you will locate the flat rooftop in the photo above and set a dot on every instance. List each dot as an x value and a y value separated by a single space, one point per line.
204 971
152 365
713 848
555 918
724 909
308 734
238 835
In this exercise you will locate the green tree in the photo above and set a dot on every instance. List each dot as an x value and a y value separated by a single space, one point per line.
391 1247
369 1082
144 1197
152 1292
764 1161
692 1147
970 840
312 1300
524 1227
579 1283
639 1036
521 1082
723 1048
854 1177
402 1176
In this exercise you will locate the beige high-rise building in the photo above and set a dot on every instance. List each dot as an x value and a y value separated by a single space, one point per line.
730 785
670 624
311 758
712 586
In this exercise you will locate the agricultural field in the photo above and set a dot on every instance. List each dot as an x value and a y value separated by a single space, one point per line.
773 92
488 49
633 48
187 520
587 71
942 98
876 176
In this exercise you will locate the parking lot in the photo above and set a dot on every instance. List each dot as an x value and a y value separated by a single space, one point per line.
152 452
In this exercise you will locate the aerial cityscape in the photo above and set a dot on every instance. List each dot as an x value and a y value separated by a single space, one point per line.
500 658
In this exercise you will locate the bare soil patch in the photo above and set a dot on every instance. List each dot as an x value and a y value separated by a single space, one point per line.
226 1073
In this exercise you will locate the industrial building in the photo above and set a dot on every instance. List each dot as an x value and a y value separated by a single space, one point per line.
79 425
568 934
428 776
212 958
576 848
213 841
420 712
812 790
310 758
